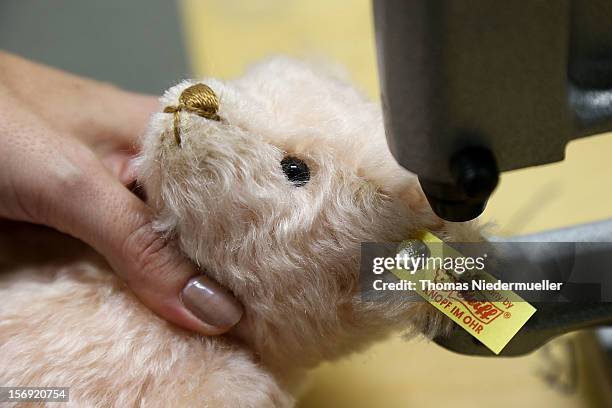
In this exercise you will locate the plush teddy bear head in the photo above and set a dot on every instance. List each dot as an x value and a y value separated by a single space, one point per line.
270 183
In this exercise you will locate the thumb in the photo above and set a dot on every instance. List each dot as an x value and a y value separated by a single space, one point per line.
104 214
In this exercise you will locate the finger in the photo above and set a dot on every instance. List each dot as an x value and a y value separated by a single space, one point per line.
119 164
100 211
125 117
95 112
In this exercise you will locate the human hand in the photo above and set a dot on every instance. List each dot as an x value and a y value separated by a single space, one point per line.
65 146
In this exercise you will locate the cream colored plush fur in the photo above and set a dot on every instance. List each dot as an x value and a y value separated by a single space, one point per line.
290 254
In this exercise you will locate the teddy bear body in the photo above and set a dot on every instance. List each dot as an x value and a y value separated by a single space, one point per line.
272 199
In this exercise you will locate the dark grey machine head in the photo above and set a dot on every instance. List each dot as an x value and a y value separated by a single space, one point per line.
471 89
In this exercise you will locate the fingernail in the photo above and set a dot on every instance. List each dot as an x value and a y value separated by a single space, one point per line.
211 303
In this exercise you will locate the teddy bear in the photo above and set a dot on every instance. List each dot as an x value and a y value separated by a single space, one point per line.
269 183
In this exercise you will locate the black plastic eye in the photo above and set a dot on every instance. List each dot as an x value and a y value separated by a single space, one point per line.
296 170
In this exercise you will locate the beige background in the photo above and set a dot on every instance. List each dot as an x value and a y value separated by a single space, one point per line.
224 36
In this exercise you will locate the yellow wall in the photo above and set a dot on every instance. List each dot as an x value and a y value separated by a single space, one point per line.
224 36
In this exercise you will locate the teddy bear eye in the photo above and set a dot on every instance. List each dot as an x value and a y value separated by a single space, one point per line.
296 170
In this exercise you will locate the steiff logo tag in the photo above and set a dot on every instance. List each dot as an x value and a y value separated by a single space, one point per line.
484 312
493 317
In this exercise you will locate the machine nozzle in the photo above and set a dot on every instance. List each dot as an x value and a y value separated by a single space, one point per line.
475 173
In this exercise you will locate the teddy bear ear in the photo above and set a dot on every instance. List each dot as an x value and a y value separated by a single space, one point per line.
413 197
320 76
286 68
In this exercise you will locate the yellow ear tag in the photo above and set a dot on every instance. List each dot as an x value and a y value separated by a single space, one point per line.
493 316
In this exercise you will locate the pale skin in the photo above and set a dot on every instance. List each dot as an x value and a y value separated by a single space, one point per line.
65 147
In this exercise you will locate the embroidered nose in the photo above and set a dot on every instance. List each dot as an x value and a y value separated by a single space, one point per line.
198 99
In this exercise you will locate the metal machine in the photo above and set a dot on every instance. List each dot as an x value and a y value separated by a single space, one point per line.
472 88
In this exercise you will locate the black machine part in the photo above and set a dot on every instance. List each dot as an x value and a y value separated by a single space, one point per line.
473 88
551 319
